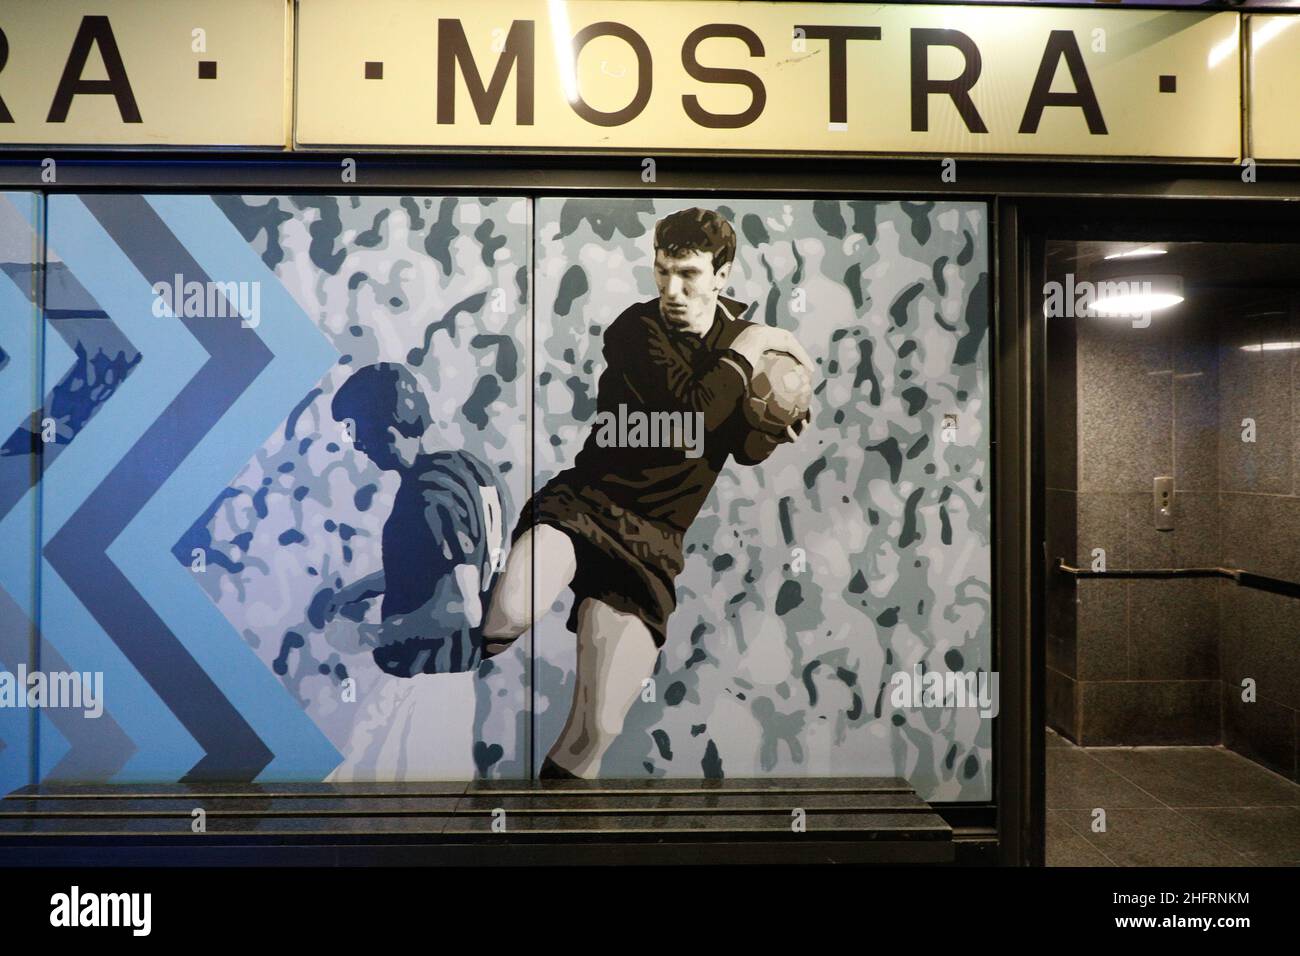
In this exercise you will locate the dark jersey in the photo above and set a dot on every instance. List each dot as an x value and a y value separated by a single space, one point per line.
653 368
627 509
448 512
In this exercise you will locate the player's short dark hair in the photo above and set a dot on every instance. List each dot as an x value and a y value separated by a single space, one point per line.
382 395
697 230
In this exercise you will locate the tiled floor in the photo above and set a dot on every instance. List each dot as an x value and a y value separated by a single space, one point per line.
1167 806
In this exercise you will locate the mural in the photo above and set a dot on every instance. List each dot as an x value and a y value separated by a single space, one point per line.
288 446
209 521
857 552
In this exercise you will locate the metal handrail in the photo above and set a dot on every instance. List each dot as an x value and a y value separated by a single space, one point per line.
1245 579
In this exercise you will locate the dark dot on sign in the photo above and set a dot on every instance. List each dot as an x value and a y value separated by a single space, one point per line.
394 301
897 719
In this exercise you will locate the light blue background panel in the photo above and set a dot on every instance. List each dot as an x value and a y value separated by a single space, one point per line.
20 366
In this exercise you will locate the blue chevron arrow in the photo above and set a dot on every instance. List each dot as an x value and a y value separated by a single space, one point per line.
301 355
72 748
235 356
167 750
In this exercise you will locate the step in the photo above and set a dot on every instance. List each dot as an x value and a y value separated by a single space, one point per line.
486 821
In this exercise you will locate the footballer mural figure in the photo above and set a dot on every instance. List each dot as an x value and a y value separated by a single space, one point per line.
687 385
441 542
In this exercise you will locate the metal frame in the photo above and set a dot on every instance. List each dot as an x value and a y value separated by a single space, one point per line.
1026 202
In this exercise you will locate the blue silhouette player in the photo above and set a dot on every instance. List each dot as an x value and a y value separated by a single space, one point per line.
443 540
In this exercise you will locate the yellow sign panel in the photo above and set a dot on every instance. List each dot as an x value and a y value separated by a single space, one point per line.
750 77
144 72
1274 79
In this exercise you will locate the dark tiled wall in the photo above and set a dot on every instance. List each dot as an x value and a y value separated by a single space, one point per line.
1148 666
1259 486
1161 662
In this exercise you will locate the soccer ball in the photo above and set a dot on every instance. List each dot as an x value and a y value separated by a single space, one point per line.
780 394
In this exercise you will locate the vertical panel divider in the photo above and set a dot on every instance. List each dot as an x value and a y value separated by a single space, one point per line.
40 244
530 481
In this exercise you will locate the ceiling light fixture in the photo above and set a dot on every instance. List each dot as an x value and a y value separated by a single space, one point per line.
1137 295
1142 252
1271 347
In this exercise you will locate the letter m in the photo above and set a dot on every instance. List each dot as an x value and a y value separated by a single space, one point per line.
65 688
116 909
454 51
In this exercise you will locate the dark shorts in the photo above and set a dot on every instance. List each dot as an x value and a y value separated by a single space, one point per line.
623 559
